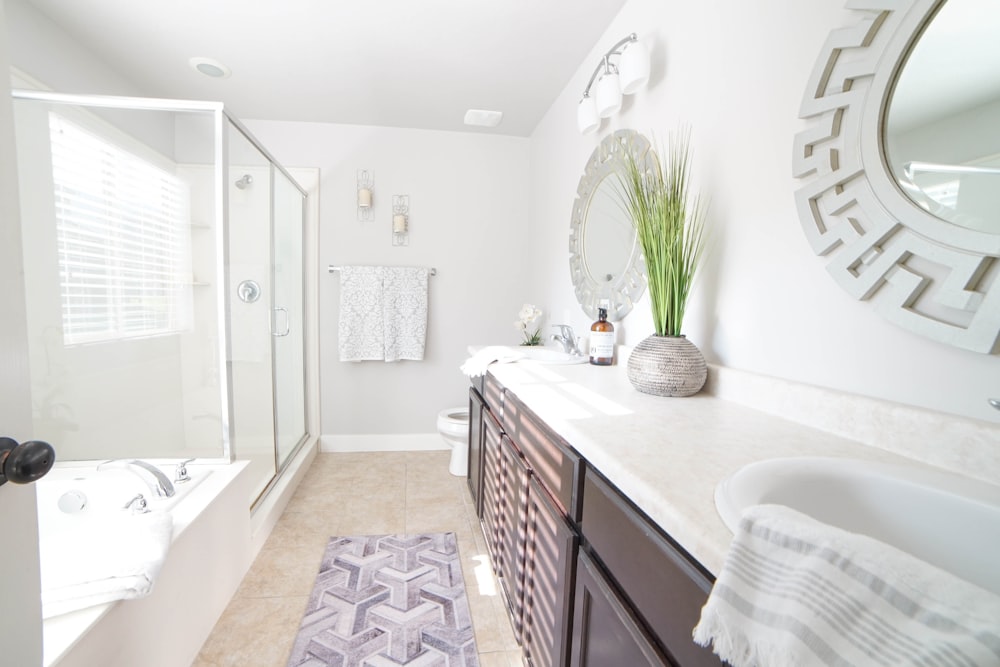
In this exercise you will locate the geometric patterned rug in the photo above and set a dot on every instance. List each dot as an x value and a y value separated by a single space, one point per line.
382 600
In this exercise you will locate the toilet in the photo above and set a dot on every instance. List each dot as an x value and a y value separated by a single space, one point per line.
453 425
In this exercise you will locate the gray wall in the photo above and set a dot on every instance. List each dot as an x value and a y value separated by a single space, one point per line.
469 219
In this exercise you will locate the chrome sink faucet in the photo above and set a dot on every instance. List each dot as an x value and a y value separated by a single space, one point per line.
154 478
567 339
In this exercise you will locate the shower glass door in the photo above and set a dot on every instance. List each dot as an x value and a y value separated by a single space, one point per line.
251 317
288 320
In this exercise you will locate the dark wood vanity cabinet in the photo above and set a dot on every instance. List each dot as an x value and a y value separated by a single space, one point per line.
549 552
474 476
587 578
531 544
664 587
605 630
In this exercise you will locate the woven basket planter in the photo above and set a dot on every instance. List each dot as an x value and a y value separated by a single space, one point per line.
667 366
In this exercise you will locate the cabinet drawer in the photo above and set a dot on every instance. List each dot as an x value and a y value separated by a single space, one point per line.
558 468
660 580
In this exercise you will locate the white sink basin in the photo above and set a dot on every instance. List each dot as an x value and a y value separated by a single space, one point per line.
944 519
548 355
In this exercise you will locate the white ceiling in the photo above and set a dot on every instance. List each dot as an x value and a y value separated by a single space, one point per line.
405 63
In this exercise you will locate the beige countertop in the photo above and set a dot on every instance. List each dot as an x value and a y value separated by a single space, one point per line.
666 454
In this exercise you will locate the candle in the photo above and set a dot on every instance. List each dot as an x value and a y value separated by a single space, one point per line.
364 197
399 224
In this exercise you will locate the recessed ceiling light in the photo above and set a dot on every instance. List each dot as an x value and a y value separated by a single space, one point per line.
210 67
483 117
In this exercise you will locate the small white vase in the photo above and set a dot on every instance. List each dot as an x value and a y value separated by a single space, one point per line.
667 366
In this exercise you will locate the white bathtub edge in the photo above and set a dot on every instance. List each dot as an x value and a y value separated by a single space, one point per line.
132 632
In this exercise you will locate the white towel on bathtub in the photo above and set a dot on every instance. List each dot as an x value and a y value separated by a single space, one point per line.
100 560
794 592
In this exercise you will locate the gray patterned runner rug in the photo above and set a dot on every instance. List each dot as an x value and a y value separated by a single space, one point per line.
382 600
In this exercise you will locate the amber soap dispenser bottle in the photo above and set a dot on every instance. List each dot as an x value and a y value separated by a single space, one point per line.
602 340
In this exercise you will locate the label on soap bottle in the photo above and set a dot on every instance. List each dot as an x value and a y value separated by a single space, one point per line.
602 344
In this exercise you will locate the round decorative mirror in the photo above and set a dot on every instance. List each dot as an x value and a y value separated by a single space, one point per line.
902 174
942 126
605 261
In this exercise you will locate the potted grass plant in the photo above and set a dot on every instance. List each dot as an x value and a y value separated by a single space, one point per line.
670 225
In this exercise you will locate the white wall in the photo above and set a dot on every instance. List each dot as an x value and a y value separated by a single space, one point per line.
736 72
20 589
469 218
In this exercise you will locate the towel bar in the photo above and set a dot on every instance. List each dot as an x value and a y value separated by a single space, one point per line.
332 268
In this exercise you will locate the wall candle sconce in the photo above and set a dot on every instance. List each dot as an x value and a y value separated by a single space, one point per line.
401 220
629 75
365 182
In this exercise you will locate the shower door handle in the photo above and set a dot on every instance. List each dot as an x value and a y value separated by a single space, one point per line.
274 331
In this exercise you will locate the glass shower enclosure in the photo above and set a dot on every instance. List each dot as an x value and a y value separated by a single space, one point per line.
163 254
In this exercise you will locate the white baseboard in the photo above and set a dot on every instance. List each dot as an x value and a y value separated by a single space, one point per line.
382 442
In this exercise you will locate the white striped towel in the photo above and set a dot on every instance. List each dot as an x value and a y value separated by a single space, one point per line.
796 592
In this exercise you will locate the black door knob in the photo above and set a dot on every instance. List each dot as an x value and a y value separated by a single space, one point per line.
25 462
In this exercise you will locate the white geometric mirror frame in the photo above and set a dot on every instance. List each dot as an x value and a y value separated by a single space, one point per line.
921 273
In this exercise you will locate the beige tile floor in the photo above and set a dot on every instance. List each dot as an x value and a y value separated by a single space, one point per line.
356 494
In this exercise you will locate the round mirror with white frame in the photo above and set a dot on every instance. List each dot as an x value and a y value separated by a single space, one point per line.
605 261
886 243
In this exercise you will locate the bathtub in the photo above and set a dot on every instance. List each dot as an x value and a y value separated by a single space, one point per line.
208 556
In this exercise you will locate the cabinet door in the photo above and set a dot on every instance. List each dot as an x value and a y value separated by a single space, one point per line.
475 475
631 548
549 563
558 467
604 631
511 530
488 516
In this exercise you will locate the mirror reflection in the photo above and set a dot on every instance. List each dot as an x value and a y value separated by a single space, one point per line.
942 133
605 258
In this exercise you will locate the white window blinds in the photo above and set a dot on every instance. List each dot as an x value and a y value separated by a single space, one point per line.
123 230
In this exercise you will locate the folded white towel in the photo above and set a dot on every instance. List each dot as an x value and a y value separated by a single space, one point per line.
404 312
99 560
795 592
480 361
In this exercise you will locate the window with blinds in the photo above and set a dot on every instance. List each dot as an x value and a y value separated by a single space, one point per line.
123 230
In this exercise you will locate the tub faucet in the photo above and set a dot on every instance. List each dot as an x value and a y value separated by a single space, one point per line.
567 339
159 484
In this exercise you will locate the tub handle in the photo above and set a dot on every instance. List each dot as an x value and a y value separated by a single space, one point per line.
137 505
181 472
25 462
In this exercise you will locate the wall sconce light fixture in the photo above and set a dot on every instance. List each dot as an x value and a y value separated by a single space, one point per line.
365 182
401 220
626 77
